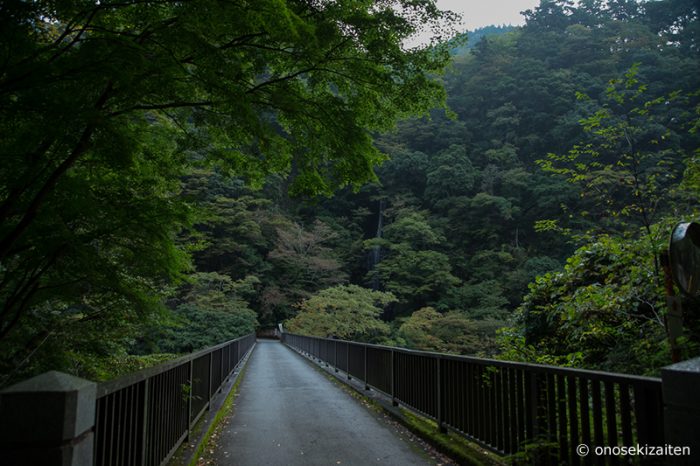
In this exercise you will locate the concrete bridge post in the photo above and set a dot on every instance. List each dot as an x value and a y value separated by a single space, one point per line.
681 392
48 420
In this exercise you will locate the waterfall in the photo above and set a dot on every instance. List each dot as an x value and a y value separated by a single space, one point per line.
376 253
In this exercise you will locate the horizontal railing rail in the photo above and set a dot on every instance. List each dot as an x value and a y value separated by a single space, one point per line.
508 407
142 418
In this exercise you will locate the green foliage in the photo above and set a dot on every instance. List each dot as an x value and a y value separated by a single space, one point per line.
211 309
303 264
199 327
630 161
412 270
607 85
453 332
605 310
106 109
150 150
346 312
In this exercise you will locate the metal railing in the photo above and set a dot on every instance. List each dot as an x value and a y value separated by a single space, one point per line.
142 418
506 406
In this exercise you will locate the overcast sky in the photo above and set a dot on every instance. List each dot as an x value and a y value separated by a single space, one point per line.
478 13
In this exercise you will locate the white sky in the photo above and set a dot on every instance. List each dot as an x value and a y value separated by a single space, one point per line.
478 13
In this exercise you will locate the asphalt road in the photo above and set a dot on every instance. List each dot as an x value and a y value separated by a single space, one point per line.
288 413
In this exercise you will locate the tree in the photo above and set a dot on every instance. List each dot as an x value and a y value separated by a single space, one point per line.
628 167
412 269
630 158
235 226
210 309
302 264
428 330
605 310
105 105
348 312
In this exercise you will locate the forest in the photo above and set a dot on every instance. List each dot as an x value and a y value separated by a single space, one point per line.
177 174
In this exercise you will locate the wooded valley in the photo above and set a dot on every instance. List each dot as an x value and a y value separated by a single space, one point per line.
176 174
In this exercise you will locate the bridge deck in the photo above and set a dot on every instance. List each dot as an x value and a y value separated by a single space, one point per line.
287 413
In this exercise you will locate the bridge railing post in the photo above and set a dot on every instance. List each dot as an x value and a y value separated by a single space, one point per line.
335 354
209 375
440 398
144 428
366 384
680 386
48 420
190 377
393 379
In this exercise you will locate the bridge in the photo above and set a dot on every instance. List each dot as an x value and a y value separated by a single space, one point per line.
288 413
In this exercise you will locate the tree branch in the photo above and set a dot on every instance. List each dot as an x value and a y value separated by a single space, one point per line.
30 213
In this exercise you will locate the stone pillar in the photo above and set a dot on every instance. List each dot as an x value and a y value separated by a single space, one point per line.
48 420
681 392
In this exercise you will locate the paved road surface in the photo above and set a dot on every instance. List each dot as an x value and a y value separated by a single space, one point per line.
288 413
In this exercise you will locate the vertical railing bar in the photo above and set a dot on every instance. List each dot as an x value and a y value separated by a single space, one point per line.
482 402
133 425
625 414
541 414
113 402
440 402
464 396
426 387
158 409
365 360
168 421
486 390
522 408
476 403
448 401
488 411
454 398
164 419
170 418
335 355
127 424
610 417
499 421
499 403
163 380
573 415
148 439
190 376
585 417
118 425
172 402
185 396
552 413
564 452
209 386
474 417
493 377
133 436
153 427
530 406
102 424
514 421
419 387
597 405
223 373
